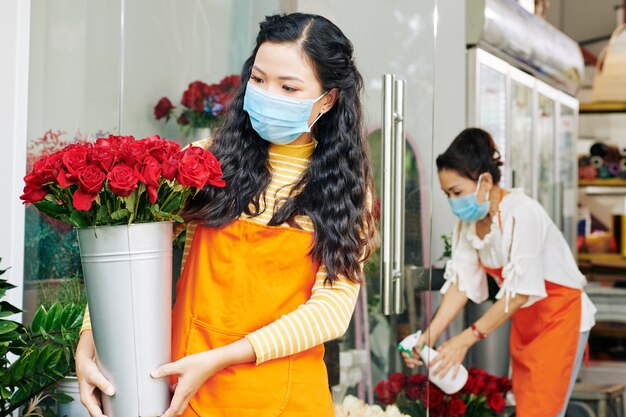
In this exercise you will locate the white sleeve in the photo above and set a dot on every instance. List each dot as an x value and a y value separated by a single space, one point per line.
524 244
464 269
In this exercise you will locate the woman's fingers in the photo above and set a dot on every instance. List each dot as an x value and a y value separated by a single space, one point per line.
411 361
90 398
178 404
98 380
166 370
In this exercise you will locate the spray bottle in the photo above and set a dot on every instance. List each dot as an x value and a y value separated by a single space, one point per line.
447 383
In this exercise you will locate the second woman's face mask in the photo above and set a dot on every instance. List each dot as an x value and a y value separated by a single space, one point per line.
278 119
467 207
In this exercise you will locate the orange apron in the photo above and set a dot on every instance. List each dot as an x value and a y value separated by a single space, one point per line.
236 280
543 342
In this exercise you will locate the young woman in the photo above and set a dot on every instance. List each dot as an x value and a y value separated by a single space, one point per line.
272 264
509 237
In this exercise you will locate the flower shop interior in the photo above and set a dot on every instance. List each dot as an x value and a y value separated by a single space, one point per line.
547 79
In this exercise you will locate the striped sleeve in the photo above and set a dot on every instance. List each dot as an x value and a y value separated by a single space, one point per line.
325 316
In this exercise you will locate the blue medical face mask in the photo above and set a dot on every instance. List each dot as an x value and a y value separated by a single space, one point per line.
467 208
278 119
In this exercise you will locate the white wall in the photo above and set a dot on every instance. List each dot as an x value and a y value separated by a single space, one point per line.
450 116
14 40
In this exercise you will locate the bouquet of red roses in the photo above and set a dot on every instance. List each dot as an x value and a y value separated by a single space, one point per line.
203 103
482 396
119 180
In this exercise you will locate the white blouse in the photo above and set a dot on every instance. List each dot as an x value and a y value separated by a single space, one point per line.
530 249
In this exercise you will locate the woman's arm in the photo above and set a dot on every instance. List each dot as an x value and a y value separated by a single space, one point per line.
452 352
452 303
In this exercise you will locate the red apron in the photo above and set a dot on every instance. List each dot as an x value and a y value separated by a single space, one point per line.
236 280
543 343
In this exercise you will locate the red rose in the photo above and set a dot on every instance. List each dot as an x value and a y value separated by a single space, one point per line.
48 167
74 157
210 163
435 396
160 149
505 384
384 392
122 180
496 402
397 382
163 108
479 383
90 180
33 190
195 96
169 168
456 407
192 172
231 82
440 410
182 120
414 391
150 174
115 142
468 388
491 387
103 156
133 153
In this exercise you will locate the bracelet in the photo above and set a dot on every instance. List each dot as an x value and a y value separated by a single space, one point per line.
477 332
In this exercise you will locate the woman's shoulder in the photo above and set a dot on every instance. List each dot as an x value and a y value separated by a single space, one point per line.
205 143
520 206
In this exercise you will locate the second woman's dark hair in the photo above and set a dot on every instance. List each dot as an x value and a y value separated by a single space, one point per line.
335 186
472 153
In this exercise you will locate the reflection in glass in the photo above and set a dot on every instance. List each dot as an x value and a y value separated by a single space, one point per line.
492 102
567 173
521 137
545 130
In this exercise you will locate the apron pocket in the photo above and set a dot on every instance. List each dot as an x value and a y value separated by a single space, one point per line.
246 390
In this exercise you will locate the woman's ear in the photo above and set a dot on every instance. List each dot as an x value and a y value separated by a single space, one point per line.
328 101
487 182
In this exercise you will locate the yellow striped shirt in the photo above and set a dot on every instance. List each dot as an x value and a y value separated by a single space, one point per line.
326 315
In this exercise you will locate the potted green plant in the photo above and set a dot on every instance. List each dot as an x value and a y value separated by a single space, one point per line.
69 291
43 355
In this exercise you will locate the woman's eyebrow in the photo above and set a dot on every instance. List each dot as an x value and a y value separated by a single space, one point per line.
283 77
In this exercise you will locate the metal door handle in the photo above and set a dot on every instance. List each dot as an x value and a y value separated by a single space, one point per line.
393 146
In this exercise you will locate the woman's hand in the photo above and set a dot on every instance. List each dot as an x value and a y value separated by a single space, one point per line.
194 370
413 360
91 382
451 354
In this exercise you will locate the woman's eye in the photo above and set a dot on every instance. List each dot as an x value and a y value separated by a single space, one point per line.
287 88
256 79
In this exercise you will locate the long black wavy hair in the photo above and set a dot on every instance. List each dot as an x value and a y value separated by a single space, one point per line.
334 188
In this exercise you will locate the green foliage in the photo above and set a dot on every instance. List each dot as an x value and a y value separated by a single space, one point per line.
109 209
51 247
44 351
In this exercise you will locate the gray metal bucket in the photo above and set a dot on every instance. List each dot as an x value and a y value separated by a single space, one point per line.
493 353
128 277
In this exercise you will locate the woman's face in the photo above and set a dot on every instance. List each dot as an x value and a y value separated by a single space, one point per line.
454 184
283 68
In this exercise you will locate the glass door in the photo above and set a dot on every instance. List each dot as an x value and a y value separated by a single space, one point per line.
546 119
488 101
521 131
567 167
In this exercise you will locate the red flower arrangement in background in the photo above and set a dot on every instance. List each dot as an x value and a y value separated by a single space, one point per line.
482 396
203 104
119 180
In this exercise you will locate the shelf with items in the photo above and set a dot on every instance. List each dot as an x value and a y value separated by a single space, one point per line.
602 107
